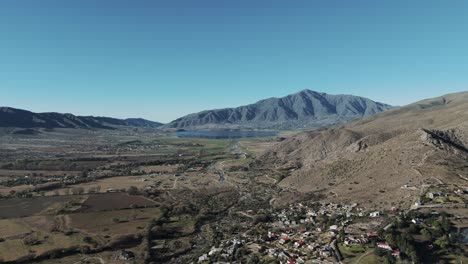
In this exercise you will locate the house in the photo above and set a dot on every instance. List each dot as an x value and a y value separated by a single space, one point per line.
214 250
272 235
333 227
202 258
126 255
326 253
417 221
284 240
375 214
432 195
350 240
384 245
284 255
396 253
299 243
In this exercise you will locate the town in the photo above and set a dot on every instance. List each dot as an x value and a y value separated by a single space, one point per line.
321 232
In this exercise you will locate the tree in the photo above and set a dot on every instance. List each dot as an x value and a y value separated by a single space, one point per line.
442 242
388 259
342 234
132 190
253 259
413 229
390 238
414 256
426 234
77 190
30 240
445 223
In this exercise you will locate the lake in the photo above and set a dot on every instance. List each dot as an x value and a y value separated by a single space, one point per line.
223 134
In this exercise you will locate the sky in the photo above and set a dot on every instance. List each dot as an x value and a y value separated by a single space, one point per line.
163 59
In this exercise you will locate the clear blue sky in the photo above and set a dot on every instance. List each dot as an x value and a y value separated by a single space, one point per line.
164 59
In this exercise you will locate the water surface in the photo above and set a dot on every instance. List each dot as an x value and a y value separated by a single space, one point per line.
223 134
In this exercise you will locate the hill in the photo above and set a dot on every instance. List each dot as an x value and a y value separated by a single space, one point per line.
372 159
303 109
11 117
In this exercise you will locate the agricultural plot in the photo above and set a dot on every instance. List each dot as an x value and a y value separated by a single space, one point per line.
21 207
111 223
114 183
114 201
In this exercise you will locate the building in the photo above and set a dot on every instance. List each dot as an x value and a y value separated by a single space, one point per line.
126 255
384 245
432 195
375 214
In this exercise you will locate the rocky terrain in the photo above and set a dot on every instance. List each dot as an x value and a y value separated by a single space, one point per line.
373 160
11 117
303 109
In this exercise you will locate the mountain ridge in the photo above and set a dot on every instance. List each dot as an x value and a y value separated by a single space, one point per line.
13 117
305 108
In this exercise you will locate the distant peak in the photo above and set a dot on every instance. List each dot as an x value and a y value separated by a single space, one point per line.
308 91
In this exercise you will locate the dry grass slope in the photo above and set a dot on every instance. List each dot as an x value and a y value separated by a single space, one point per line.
368 160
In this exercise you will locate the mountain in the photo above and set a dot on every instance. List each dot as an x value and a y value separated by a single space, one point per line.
11 117
303 109
388 159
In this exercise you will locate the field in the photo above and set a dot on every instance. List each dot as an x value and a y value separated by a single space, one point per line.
114 201
120 222
21 207
123 189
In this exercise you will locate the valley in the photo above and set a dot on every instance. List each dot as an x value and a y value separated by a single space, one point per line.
386 188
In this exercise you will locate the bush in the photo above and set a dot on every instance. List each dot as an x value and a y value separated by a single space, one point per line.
132 190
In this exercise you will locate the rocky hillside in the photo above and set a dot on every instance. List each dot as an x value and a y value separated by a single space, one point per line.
371 159
304 109
11 117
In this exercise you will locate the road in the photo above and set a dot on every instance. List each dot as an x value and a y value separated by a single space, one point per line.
245 214
274 180
86 259
363 256
336 250
174 186
440 205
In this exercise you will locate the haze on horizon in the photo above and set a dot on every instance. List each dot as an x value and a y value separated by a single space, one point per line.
162 60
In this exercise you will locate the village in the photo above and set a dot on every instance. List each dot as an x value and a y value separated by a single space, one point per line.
323 232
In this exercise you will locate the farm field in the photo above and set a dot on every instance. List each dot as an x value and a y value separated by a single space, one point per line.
21 207
124 190
114 201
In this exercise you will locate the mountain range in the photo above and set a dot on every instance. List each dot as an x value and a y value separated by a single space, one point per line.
11 117
303 109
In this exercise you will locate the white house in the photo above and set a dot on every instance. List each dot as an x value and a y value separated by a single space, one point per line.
375 214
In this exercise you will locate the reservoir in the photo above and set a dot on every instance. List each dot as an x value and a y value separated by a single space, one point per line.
224 134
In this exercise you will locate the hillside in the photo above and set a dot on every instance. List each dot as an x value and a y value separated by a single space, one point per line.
303 109
371 159
11 117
